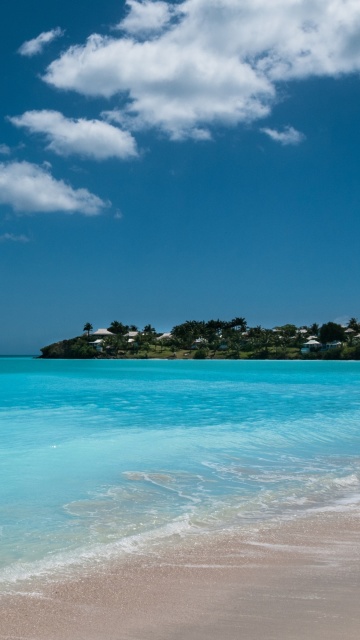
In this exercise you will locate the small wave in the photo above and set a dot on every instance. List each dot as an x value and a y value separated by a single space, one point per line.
347 481
60 563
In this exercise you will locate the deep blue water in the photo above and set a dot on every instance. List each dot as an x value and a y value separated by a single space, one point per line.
98 455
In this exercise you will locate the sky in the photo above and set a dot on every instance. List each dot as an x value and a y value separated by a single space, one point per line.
167 161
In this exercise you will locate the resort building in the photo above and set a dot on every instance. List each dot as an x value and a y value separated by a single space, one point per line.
103 333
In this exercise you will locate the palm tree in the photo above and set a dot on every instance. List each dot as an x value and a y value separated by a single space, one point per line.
353 324
238 323
149 329
88 327
118 328
214 327
189 331
314 329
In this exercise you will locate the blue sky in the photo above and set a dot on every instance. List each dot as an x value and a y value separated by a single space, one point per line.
169 161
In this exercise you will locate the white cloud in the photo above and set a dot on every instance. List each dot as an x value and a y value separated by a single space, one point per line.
146 16
28 188
91 138
289 136
36 45
11 237
219 62
4 150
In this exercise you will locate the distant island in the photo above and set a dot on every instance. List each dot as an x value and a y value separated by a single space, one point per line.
213 340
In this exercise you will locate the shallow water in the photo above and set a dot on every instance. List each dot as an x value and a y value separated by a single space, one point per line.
99 457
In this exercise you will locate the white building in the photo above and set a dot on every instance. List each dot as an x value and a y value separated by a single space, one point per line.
102 333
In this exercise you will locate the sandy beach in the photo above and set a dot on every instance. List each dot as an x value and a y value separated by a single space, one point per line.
282 580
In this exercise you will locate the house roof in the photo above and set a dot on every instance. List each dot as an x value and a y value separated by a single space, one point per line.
103 332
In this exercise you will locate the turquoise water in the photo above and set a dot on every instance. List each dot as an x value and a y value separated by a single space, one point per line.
98 457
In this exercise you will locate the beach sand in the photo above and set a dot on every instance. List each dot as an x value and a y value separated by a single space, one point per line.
285 580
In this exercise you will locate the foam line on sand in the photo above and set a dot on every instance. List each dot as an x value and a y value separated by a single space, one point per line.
289 580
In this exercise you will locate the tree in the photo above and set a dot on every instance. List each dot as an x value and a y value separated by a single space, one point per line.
73 348
331 331
113 344
88 327
149 329
236 342
200 354
214 327
118 328
255 332
188 332
238 323
354 324
81 349
314 329
287 330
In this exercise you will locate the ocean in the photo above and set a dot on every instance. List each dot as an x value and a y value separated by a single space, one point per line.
103 458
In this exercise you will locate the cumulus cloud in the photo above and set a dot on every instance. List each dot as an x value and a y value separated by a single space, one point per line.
29 188
91 138
146 16
36 45
4 150
289 136
12 237
218 62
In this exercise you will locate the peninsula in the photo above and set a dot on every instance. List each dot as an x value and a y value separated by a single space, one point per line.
214 339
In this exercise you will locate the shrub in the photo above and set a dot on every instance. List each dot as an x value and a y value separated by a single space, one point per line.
351 353
332 354
200 354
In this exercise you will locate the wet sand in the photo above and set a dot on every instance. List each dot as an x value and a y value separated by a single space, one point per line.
290 580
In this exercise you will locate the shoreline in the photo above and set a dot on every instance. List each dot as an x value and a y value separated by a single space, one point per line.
285 580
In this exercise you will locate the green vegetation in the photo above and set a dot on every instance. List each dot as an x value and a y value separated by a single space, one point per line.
214 339
74 348
88 327
331 331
